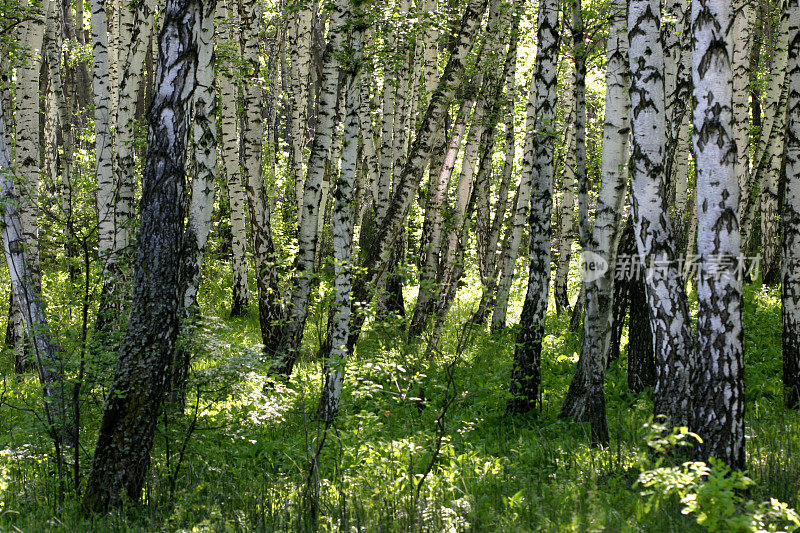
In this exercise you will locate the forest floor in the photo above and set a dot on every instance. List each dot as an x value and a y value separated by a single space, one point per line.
421 443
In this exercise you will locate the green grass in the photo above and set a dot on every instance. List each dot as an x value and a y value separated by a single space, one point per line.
247 464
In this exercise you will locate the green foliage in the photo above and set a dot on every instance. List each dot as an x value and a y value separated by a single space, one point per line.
712 492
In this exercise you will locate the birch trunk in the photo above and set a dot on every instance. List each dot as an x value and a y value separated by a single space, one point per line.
431 244
122 455
26 291
102 128
228 19
525 377
772 165
586 398
790 288
378 251
297 311
717 378
566 212
520 214
666 296
343 213
300 50
269 305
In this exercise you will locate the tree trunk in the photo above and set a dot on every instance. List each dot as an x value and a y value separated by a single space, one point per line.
26 293
586 399
378 251
269 304
343 235
666 296
521 205
641 359
227 20
201 205
292 335
790 288
717 378
122 455
525 376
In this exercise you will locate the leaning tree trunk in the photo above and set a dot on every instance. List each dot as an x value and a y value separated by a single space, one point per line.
525 376
431 246
521 205
201 205
717 378
297 311
343 214
379 249
27 296
122 455
790 288
669 311
586 399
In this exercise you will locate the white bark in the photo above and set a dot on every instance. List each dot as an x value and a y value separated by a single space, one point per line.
24 286
227 21
666 296
297 311
717 377
598 319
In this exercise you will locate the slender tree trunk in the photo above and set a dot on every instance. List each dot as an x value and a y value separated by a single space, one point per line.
292 336
269 304
227 20
122 455
790 288
566 212
344 211
525 376
299 41
770 183
378 250
102 128
666 296
26 291
520 214
717 384
586 398
431 244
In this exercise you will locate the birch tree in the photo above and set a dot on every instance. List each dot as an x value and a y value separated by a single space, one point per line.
525 376
343 214
297 311
378 251
24 286
666 296
270 311
227 20
717 378
790 265
586 399
122 455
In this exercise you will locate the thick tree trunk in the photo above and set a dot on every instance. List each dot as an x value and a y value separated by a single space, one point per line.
122 455
201 205
525 376
586 399
790 288
717 378
666 296
641 359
